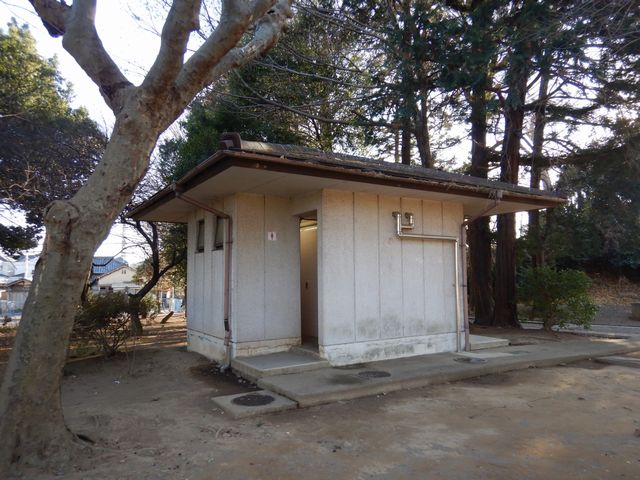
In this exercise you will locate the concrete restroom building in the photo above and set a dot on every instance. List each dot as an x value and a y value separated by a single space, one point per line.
359 260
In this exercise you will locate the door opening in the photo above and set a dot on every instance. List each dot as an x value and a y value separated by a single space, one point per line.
309 280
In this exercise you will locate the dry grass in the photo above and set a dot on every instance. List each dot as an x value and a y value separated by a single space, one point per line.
612 290
156 335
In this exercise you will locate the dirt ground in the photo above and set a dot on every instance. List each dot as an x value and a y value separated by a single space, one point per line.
613 290
151 416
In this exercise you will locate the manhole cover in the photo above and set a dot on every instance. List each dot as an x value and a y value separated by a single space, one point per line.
470 360
253 400
373 374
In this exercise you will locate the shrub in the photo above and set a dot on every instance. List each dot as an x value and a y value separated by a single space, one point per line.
148 305
104 320
557 296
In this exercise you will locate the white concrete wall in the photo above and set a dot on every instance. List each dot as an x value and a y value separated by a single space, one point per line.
267 272
380 296
265 278
205 286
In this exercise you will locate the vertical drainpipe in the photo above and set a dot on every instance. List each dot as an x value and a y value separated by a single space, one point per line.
227 269
465 287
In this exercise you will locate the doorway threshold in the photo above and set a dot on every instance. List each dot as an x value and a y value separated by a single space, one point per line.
280 363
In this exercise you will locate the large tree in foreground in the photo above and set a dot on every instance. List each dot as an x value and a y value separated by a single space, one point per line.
32 426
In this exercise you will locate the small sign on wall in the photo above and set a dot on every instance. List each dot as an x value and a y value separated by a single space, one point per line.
272 236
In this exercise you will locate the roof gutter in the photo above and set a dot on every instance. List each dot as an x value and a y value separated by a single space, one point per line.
227 266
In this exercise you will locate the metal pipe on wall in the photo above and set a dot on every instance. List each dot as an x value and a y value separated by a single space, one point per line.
400 233
227 268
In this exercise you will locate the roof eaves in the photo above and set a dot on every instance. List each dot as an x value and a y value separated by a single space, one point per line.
303 159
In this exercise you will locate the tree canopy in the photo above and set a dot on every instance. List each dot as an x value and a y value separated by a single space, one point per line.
47 148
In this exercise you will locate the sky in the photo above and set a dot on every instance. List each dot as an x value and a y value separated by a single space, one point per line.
131 45
126 32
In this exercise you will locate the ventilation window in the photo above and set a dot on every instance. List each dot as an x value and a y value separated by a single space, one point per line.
218 234
200 238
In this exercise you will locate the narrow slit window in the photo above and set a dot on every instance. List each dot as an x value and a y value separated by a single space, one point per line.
218 238
200 238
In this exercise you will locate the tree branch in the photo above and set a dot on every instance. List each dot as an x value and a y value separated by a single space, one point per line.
80 38
217 55
183 18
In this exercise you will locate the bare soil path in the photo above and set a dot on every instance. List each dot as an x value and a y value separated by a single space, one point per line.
151 416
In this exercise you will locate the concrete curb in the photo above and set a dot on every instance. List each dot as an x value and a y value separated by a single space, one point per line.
278 404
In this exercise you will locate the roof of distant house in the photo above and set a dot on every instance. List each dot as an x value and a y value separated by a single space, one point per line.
102 265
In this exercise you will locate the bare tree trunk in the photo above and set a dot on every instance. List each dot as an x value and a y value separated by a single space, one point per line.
152 237
423 139
535 234
30 396
480 281
32 429
505 310
405 148
134 315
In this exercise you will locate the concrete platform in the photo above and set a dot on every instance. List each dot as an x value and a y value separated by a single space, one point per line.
480 342
328 384
281 363
234 405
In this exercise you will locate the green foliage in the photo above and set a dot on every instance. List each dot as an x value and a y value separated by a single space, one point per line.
210 116
39 132
28 82
148 305
600 226
174 239
104 320
557 296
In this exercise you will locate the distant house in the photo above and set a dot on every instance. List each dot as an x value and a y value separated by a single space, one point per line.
360 259
7 266
15 281
112 274
120 279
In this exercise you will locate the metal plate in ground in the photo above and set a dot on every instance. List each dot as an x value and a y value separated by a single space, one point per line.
373 374
470 360
253 400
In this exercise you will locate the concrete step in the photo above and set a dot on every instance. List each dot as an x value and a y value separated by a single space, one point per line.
281 363
479 342
309 350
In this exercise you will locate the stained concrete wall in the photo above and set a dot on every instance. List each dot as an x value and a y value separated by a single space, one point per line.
266 266
205 285
380 296
265 278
